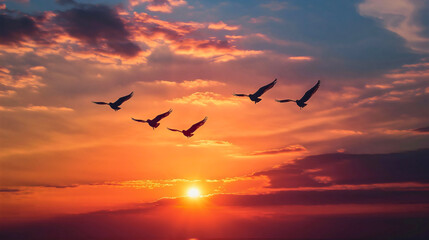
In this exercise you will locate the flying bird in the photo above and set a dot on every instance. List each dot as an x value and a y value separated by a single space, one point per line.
255 97
189 133
115 105
301 102
154 123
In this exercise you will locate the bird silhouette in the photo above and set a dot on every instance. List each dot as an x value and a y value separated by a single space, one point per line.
189 133
115 105
255 97
154 123
301 102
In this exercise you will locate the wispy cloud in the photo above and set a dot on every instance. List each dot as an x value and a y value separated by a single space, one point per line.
399 17
206 99
274 151
37 109
165 6
197 83
222 26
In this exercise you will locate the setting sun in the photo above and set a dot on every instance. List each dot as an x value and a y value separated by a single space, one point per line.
194 192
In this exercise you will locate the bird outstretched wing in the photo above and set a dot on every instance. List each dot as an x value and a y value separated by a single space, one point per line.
265 88
310 92
138 120
241 95
197 125
174 130
123 99
101 103
284 100
161 116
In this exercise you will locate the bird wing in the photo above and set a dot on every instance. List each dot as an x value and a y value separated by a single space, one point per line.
138 120
161 116
197 125
285 100
101 103
174 130
310 92
123 99
240 95
265 88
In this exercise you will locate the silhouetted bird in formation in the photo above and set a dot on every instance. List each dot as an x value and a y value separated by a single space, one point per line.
255 97
301 102
154 122
115 105
188 133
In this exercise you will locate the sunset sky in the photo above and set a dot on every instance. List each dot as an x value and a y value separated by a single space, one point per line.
353 164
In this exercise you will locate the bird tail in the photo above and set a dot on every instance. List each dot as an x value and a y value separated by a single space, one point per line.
240 95
257 100
285 100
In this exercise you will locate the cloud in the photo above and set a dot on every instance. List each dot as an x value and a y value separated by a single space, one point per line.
264 19
301 58
9 190
100 27
205 99
18 29
165 6
208 143
281 215
422 130
38 69
37 109
197 83
7 93
400 17
222 26
218 50
287 149
20 81
352 169
274 5
66 2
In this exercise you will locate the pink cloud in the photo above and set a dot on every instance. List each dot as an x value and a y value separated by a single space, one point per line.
222 26
165 6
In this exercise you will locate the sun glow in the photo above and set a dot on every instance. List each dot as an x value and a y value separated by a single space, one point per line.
194 192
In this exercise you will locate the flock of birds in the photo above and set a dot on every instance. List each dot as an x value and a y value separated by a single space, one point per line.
255 97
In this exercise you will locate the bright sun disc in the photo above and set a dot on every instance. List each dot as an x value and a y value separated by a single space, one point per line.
194 193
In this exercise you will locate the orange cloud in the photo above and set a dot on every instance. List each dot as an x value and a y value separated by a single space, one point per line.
165 6
218 50
205 99
208 143
301 58
222 26
7 93
29 80
287 149
37 109
197 83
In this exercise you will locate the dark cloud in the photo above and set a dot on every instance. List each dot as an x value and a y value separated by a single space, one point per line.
311 197
14 30
422 130
65 2
8 190
165 222
99 26
341 168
